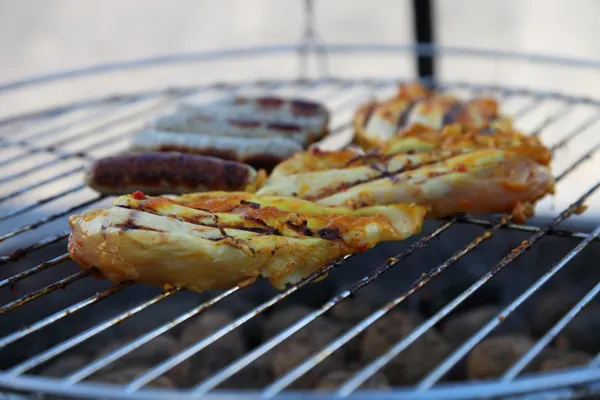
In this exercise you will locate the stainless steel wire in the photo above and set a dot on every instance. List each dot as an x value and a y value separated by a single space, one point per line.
73 380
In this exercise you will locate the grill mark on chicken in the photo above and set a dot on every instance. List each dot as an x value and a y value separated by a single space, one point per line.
389 174
403 117
329 234
369 113
384 171
250 204
368 155
267 230
453 113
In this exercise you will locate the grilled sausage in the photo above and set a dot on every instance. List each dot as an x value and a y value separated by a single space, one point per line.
168 173
259 152
302 121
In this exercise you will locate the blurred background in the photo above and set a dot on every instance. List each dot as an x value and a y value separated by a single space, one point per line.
40 37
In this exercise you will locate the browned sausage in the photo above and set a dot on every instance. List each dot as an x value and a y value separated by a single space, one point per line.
168 173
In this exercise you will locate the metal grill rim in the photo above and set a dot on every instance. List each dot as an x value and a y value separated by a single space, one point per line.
492 225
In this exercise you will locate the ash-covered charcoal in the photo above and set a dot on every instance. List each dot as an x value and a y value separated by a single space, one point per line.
582 332
493 356
65 365
283 317
147 355
550 307
555 359
335 378
212 358
126 375
302 345
462 326
349 313
295 350
352 310
413 363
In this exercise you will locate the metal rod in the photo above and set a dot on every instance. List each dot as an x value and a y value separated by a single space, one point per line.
560 325
21 333
102 114
61 284
107 359
170 325
242 362
588 123
22 252
556 116
364 374
441 370
505 313
318 357
54 147
423 31
523 228
28 188
75 340
49 218
178 358
41 202
38 268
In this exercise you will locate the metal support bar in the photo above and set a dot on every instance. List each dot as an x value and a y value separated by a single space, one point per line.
424 35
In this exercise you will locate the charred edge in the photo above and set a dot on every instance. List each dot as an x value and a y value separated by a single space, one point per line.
305 108
223 233
384 171
369 113
284 127
330 234
389 174
301 229
453 113
250 204
368 155
128 227
243 123
403 117
266 229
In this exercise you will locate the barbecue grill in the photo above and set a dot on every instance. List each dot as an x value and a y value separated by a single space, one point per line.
49 308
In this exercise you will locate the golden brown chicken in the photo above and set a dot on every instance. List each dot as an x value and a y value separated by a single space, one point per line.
449 181
217 240
377 122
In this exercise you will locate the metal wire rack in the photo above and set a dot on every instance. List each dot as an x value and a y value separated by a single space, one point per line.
53 145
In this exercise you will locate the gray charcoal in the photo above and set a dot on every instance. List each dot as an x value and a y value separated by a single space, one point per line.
493 356
126 375
334 379
556 359
65 365
582 332
281 318
216 356
414 362
302 345
550 307
349 313
147 355
461 327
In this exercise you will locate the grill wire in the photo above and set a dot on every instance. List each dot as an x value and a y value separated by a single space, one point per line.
337 97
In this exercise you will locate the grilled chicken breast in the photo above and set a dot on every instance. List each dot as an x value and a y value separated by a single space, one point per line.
217 240
481 182
377 122
453 170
